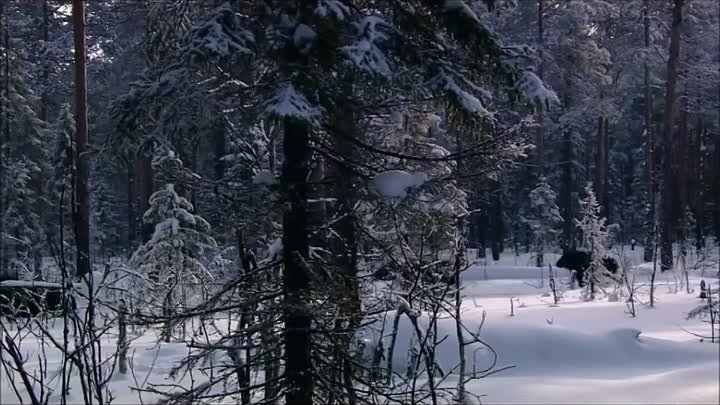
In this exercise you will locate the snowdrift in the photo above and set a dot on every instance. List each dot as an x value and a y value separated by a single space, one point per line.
541 349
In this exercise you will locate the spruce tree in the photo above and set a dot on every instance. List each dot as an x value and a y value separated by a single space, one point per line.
172 260
306 53
595 240
23 145
545 219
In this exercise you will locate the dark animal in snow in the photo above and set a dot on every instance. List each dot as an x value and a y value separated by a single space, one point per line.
383 273
579 262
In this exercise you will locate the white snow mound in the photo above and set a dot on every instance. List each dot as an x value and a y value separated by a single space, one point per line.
396 183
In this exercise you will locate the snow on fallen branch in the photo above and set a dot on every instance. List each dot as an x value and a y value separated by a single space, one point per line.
28 284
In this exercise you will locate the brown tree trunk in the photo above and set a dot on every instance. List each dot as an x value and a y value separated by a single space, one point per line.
666 254
650 183
81 210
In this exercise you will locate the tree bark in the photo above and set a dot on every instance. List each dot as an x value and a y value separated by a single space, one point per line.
650 183
4 130
296 280
350 307
81 210
122 346
666 255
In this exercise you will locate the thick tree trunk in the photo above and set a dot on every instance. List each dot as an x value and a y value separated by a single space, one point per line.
649 148
666 255
242 368
296 280
81 210
4 130
345 247
350 307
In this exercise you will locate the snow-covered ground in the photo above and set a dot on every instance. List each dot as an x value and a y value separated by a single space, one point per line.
580 352
576 352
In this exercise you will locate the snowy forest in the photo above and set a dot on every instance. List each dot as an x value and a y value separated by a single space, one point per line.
359 202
